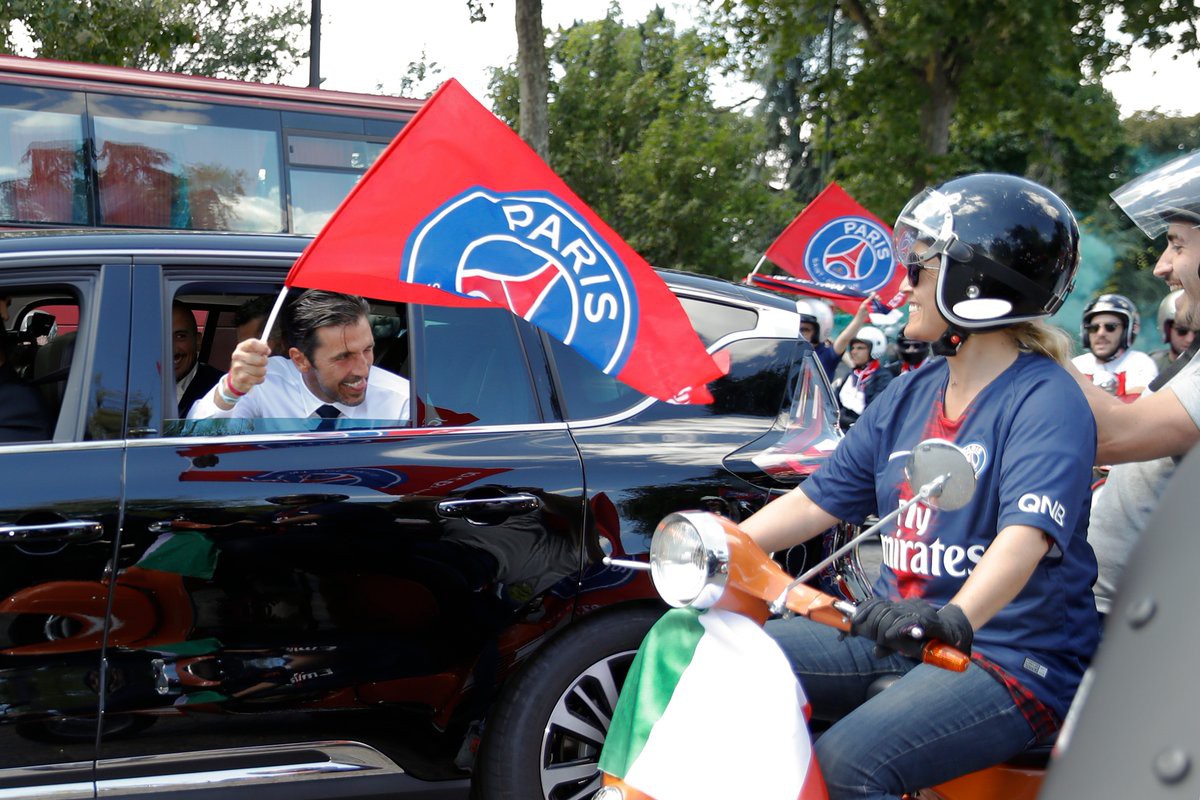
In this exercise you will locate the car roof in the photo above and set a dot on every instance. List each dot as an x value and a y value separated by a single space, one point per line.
180 243
124 241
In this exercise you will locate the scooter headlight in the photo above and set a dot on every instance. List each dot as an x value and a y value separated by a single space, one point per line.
689 559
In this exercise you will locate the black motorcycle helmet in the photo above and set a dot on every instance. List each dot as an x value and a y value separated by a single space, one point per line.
911 351
1118 305
1008 248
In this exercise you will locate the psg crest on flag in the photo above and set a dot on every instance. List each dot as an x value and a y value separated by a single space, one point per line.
854 251
530 252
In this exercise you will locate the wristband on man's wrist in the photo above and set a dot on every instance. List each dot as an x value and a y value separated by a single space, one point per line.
233 390
223 393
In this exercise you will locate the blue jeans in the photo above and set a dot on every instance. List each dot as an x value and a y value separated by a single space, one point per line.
930 726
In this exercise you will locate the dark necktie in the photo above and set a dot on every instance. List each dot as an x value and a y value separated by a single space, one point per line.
328 415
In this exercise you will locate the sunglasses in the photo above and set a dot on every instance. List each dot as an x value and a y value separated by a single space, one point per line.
1109 327
1180 330
915 270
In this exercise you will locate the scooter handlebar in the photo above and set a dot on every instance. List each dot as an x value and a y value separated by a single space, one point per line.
940 654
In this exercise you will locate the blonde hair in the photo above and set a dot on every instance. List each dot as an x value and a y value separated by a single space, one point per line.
1038 336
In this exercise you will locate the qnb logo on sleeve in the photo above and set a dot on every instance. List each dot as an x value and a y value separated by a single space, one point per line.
533 253
1041 504
851 250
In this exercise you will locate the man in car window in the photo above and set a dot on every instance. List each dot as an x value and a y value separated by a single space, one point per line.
328 371
192 377
251 317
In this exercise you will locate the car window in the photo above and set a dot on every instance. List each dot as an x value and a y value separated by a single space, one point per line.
222 315
37 352
713 321
586 391
471 369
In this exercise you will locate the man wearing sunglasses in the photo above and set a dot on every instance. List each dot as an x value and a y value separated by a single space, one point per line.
1110 325
1146 439
1177 338
912 354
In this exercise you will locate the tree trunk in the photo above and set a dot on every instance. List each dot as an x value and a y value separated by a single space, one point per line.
941 78
533 75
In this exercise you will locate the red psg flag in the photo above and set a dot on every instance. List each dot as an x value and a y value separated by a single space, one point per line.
835 248
458 211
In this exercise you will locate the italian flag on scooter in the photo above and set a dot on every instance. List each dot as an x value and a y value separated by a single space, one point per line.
711 709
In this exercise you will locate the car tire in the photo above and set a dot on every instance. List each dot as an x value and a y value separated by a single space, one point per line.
542 738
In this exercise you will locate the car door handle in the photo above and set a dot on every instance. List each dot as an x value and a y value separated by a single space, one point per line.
70 530
507 505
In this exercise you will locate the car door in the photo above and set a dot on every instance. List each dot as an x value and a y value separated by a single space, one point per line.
64 364
368 583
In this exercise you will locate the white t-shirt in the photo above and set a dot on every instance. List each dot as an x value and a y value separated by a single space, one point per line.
1131 493
284 395
1138 368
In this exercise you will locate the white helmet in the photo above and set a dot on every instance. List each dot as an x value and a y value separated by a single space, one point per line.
1166 314
874 338
818 313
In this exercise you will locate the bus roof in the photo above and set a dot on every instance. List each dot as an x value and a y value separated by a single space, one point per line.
76 76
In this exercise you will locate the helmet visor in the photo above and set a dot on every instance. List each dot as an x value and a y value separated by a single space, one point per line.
924 228
1170 193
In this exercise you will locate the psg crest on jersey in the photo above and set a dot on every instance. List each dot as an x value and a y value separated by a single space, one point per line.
851 250
531 252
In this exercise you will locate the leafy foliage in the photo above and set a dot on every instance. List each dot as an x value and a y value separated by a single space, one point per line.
634 131
918 91
220 38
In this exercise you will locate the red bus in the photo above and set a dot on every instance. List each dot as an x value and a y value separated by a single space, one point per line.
96 147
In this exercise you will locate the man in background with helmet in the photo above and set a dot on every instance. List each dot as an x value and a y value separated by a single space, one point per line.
816 322
1177 338
1110 326
912 354
867 378
1146 439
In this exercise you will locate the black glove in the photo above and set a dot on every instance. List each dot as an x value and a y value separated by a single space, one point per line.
891 622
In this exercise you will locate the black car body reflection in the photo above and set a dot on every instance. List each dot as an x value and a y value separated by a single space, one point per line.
384 608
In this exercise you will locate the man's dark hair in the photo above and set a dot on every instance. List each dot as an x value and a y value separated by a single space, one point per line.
253 308
316 309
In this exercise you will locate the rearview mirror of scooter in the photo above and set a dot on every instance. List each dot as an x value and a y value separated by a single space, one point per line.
946 468
941 475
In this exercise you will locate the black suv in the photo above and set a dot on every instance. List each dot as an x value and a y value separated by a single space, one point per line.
397 607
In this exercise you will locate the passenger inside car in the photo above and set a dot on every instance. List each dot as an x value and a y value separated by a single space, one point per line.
329 372
23 417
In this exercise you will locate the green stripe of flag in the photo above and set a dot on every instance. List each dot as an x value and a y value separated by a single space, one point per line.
664 655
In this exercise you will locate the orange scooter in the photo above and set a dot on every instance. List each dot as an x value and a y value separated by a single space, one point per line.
700 560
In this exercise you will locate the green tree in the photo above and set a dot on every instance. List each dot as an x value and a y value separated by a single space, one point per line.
634 131
923 90
219 38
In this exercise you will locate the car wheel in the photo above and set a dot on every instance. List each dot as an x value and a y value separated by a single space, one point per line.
543 736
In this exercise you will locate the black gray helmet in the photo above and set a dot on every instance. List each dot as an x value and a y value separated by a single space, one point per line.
1118 305
1008 248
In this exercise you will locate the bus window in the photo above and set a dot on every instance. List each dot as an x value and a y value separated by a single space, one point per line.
322 171
128 148
42 159
159 174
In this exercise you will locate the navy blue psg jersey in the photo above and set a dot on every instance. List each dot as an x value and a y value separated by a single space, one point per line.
1032 441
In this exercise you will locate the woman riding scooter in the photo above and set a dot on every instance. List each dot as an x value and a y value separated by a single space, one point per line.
1007 576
